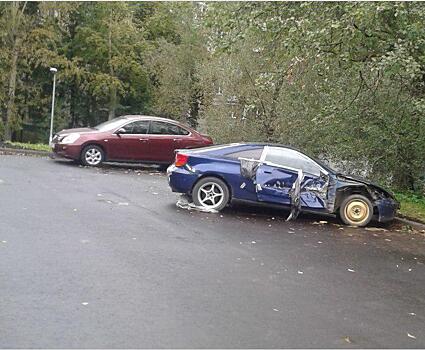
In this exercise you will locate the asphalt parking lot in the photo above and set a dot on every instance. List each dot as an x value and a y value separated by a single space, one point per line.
103 258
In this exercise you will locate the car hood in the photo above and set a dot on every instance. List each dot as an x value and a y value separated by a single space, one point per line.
365 182
79 130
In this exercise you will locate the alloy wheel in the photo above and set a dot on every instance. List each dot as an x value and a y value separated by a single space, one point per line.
210 195
93 156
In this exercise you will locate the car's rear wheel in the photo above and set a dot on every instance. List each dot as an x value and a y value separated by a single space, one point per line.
92 155
211 193
356 210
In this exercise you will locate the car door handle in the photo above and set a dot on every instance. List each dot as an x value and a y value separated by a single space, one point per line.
144 140
178 140
267 172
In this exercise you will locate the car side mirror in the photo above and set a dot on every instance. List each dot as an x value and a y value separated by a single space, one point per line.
120 131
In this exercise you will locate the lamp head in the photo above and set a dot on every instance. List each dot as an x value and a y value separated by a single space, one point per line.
53 70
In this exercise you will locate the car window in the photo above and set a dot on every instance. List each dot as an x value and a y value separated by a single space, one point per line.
291 158
110 124
253 153
177 130
137 127
162 128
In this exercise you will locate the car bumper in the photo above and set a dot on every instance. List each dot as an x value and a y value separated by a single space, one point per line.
66 151
387 209
181 180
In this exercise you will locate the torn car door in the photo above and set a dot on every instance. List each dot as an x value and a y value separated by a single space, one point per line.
273 184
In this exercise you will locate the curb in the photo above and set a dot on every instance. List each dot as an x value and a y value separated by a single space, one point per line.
416 225
26 152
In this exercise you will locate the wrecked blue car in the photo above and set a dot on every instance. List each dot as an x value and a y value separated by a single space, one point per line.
278 175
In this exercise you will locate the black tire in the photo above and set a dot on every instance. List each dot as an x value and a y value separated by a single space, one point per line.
215 189
356 210
92 155
163 167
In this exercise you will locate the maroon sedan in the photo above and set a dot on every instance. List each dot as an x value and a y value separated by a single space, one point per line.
130 138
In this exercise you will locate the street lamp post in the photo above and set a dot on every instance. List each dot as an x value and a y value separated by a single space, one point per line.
54 71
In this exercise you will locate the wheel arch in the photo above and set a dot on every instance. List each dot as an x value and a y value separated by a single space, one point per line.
222 178
344 192
94 143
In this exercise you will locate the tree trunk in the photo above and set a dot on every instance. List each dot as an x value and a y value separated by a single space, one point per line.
11 109
16 16
112 89
270 121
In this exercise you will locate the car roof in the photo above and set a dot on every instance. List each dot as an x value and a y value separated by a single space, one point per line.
218 150
141 117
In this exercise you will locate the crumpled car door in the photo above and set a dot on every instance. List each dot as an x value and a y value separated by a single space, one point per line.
314 191
273 184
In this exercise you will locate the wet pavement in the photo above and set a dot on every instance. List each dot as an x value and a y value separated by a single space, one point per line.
103 258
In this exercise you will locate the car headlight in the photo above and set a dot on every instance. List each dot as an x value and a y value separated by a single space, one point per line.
71 138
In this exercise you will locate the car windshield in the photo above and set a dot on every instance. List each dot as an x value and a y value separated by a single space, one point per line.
110 124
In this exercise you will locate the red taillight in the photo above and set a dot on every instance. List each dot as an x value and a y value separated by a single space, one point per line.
181 159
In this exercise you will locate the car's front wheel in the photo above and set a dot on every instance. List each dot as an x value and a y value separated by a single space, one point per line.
92 155
211 193
356 210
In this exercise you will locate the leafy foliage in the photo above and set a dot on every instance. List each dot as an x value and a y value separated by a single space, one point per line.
341 80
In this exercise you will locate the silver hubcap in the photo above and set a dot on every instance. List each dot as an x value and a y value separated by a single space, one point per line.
93 156
210 195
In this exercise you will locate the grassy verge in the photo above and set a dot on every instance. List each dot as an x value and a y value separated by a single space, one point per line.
412 206
30 146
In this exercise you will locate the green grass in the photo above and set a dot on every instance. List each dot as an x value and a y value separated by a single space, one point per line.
412 205
30 146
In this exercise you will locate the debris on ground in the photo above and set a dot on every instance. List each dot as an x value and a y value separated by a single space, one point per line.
320 222
184 203
300 272
85 303
411 336
351 270
375 229
347 340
